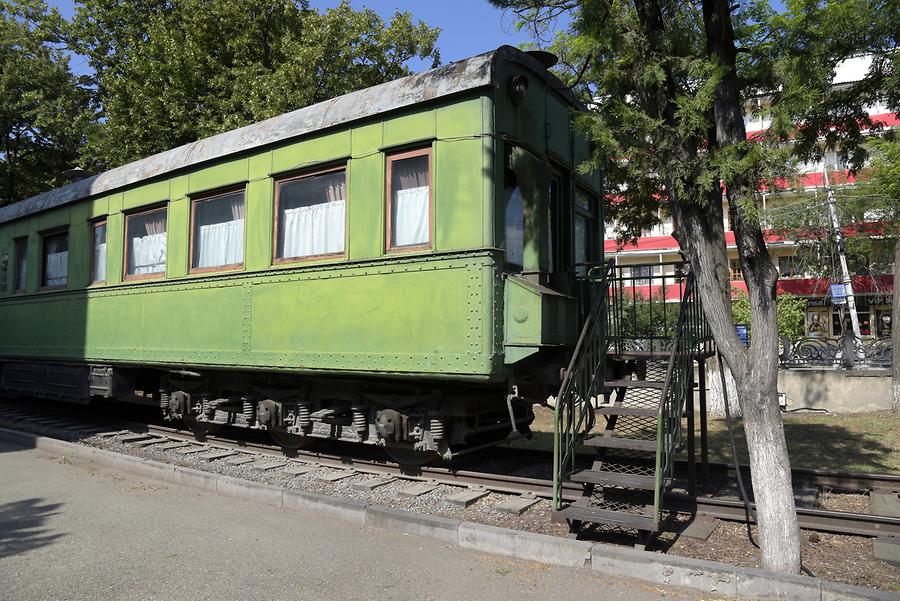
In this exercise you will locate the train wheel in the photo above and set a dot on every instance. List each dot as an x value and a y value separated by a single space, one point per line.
411 458
291 442
201 429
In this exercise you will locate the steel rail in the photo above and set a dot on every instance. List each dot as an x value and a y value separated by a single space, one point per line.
819 477
843 480
821 520
726 509
501 483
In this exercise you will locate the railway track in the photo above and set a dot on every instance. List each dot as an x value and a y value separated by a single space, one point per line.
472 484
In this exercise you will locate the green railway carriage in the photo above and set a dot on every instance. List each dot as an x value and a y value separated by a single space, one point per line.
397 266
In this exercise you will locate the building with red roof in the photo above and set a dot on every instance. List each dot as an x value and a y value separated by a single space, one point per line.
653 255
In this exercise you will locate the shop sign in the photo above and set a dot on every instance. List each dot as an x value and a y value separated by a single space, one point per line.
838 294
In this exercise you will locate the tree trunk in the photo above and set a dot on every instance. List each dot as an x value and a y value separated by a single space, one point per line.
755 369
717 396
771 474
755 373
700 232
895 331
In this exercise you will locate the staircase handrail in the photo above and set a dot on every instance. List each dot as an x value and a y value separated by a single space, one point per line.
691 331
578 408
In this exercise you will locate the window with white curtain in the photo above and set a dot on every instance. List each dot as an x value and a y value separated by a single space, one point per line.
311 215
410 203
98 258
145 239
55 260
218 231
21 257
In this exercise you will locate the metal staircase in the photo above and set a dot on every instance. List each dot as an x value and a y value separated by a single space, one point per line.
627 388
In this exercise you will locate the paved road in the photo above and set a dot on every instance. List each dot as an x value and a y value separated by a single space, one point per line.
76 532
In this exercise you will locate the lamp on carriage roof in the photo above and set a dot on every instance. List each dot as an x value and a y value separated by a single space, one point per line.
518 88
75 174
547 59
518 84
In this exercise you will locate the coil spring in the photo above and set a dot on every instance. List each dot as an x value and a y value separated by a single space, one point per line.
207 407
249 410
436 427
303 420
360 423
164 401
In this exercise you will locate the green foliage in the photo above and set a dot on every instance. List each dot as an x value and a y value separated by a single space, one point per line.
642 317
668 82
169 72
868 211
790 310
884 176
659 92
43 111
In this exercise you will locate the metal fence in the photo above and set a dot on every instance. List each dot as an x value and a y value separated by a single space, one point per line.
846 352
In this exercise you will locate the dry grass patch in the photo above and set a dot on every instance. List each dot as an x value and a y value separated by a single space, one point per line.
855 442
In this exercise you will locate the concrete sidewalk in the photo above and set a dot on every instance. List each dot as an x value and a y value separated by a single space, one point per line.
73 532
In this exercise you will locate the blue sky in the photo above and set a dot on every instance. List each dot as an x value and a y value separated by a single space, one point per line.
468 27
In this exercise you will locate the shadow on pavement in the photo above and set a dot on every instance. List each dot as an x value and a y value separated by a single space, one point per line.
22 526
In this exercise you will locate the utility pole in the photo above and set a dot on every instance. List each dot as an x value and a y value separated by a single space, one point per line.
839 236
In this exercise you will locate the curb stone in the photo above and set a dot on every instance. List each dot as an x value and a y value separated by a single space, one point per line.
248 490
525 545
409 522
758 584
698 574
350 510
707 576
836 591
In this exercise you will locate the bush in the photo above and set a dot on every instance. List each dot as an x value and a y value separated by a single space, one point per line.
790 311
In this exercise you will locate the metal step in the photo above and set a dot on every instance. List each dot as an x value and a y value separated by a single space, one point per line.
605 478
640 355
634 384
626 410
616 442
606 516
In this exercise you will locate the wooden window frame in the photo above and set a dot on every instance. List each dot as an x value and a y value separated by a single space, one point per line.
206 197
15 270
734 270
126 277
44 235
276 260
94 225
389 163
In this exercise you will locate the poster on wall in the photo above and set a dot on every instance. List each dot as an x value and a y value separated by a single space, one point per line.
817 323
883 323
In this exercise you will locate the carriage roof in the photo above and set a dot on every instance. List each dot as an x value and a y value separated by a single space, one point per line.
454 78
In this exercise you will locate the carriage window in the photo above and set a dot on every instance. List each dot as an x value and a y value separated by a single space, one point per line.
20 253
554 235
311 215
98 258
145 248
515 222
409 206
55 260
582 237
584 232
217 238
